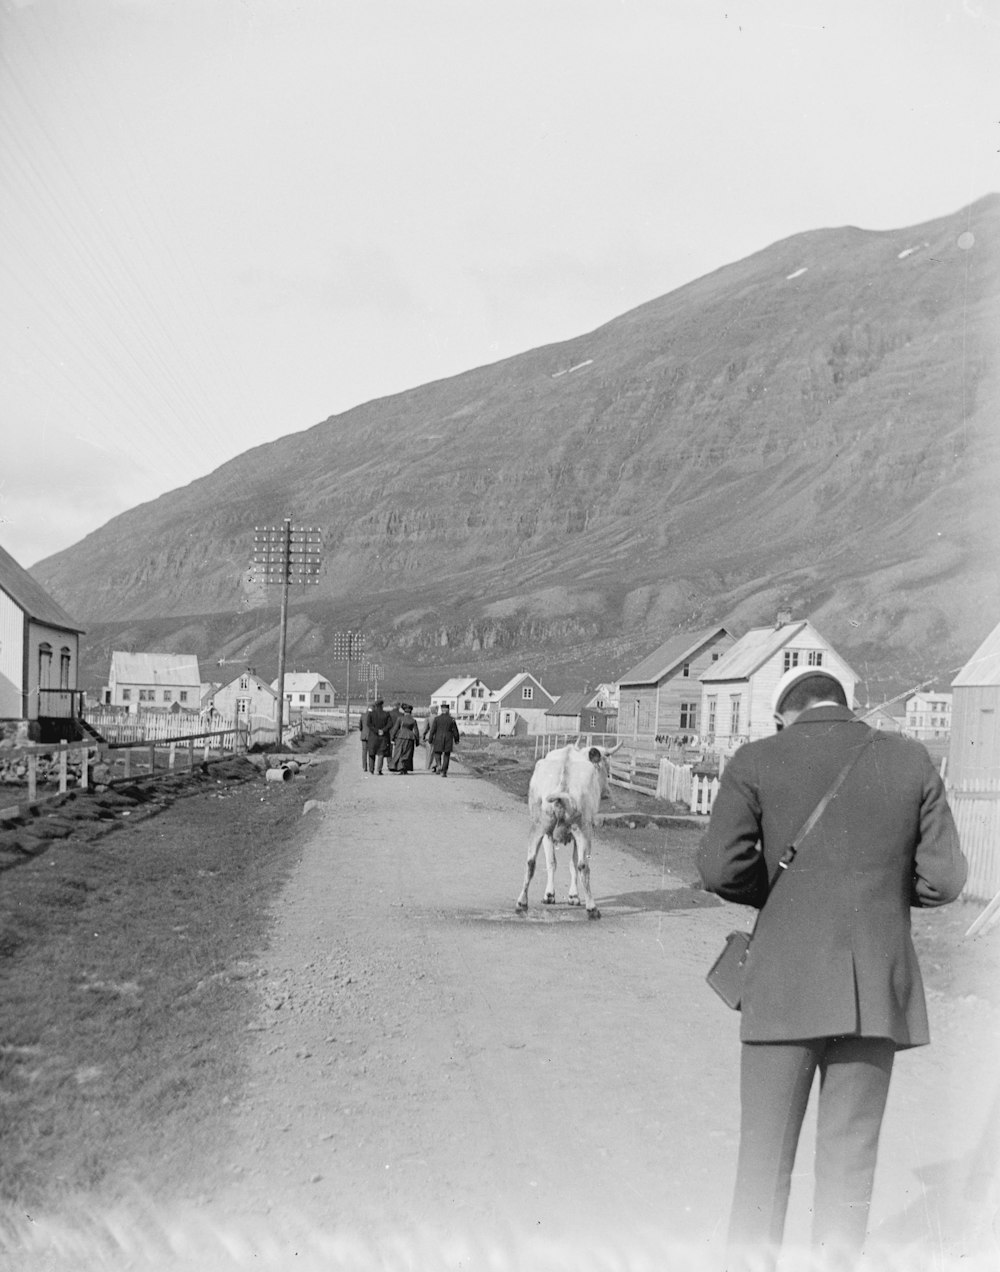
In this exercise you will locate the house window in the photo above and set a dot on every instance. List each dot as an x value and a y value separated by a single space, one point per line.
734 714
527 693
689 715
468 705
242 706
715 658
244 682
712 705
323 685
183 695
167 695
815 658
64 661
326 698
44 665
316 699
302 697
126 695
686 669
791 659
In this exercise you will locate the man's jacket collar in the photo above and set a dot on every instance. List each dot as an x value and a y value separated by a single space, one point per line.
817 714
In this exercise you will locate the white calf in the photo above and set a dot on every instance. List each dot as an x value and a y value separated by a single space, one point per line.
563 799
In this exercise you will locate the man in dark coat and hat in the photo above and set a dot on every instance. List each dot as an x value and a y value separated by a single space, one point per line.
831 981
379 724
443 736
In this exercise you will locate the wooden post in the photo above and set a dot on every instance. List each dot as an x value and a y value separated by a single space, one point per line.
128 761
191 754
172 757
84 768
32 777
152 758
62 767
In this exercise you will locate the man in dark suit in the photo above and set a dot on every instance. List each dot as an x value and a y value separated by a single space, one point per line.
832 981
443 736
379 723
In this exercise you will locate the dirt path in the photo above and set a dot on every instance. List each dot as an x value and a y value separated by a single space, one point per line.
434 1073
435 1082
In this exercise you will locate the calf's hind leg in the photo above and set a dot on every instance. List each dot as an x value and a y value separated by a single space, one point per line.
534 843
581 858
549 897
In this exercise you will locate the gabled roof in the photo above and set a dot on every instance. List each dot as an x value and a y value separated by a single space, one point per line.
261 684
29 595
455 687
155 669
672 653
300 681
497 694
983 668
752 651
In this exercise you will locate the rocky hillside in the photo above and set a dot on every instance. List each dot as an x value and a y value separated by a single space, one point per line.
816 424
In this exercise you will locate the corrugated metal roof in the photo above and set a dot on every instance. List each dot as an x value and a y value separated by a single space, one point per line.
570 704
155 669
30 596
751 651
983 668
669 655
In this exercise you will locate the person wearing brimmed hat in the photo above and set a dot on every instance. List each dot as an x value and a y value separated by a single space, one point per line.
831 981
379 723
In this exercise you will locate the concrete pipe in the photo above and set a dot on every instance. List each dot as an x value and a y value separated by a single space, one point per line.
278 775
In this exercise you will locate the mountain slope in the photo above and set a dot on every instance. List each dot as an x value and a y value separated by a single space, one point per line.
816 424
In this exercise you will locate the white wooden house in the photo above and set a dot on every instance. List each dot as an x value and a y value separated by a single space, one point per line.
307 692
928 714
660 697
973 771
244 697
519 707
467 698
153 682
736 691
39 656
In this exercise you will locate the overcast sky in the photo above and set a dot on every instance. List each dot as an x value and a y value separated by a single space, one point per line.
222 221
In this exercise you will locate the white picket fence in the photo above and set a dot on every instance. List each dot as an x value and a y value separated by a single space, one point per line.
161 726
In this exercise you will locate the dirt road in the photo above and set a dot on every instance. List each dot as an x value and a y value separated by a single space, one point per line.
437 1082
435 1073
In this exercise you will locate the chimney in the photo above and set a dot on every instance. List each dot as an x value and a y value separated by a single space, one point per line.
784 616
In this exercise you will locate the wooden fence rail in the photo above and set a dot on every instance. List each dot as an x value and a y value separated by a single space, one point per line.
139 758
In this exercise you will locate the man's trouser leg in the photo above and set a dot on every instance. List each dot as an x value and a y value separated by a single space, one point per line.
854 1086
775 1079
774 1090
445 761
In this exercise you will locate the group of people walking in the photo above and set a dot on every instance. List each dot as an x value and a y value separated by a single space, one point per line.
389 739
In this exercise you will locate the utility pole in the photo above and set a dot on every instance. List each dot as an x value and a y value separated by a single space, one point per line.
372 672
348 645
284 555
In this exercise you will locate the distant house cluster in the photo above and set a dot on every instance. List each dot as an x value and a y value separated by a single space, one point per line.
710 686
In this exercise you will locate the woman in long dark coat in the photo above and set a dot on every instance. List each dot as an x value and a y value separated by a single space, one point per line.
405 735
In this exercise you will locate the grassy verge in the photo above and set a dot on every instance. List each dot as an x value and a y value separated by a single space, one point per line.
123 962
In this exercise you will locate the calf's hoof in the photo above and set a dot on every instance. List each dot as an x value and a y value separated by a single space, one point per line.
521 906
594 913
572 900
549 898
